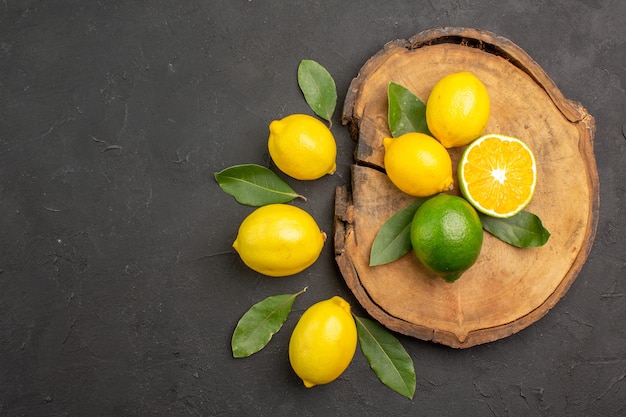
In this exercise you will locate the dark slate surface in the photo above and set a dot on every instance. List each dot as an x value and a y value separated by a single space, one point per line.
119 290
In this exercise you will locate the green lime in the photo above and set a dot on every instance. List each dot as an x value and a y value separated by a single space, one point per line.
446 235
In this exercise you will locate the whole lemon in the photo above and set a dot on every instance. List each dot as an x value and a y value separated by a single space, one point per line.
302 147
418 164
457 109
323 342
446 235
279 240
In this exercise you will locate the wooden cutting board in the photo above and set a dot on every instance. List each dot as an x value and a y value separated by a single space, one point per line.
508 288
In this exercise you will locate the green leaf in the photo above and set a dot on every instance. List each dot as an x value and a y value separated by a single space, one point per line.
390 362
524 230
257 326
393 240
406 112
318 88
255 185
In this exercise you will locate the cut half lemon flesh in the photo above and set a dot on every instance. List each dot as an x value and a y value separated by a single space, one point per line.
497 175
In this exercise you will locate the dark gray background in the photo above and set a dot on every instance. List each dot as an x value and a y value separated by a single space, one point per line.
119 290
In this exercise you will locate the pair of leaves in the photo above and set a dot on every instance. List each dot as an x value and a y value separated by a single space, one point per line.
393 240
390 362
255 185
405 113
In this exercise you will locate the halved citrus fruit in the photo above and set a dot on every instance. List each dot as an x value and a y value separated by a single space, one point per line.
498 174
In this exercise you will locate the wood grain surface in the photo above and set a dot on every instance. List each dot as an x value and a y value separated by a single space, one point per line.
508 288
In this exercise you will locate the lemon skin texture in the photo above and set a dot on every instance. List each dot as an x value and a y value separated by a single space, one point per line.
279 240
446 235
457 109
302 147
418 164
323 342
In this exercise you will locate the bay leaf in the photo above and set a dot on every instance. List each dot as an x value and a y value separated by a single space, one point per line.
406 112
524 230
386 356
393 239
257 326
255 185
318 88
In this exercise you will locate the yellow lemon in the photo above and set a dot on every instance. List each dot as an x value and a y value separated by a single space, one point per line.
418 164
323 342
302 147
457 109
279 240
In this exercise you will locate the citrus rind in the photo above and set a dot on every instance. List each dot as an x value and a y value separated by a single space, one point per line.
458 109
302 147
418 164
279 240
323 342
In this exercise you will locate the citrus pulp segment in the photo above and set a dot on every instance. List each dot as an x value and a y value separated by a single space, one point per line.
498 175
